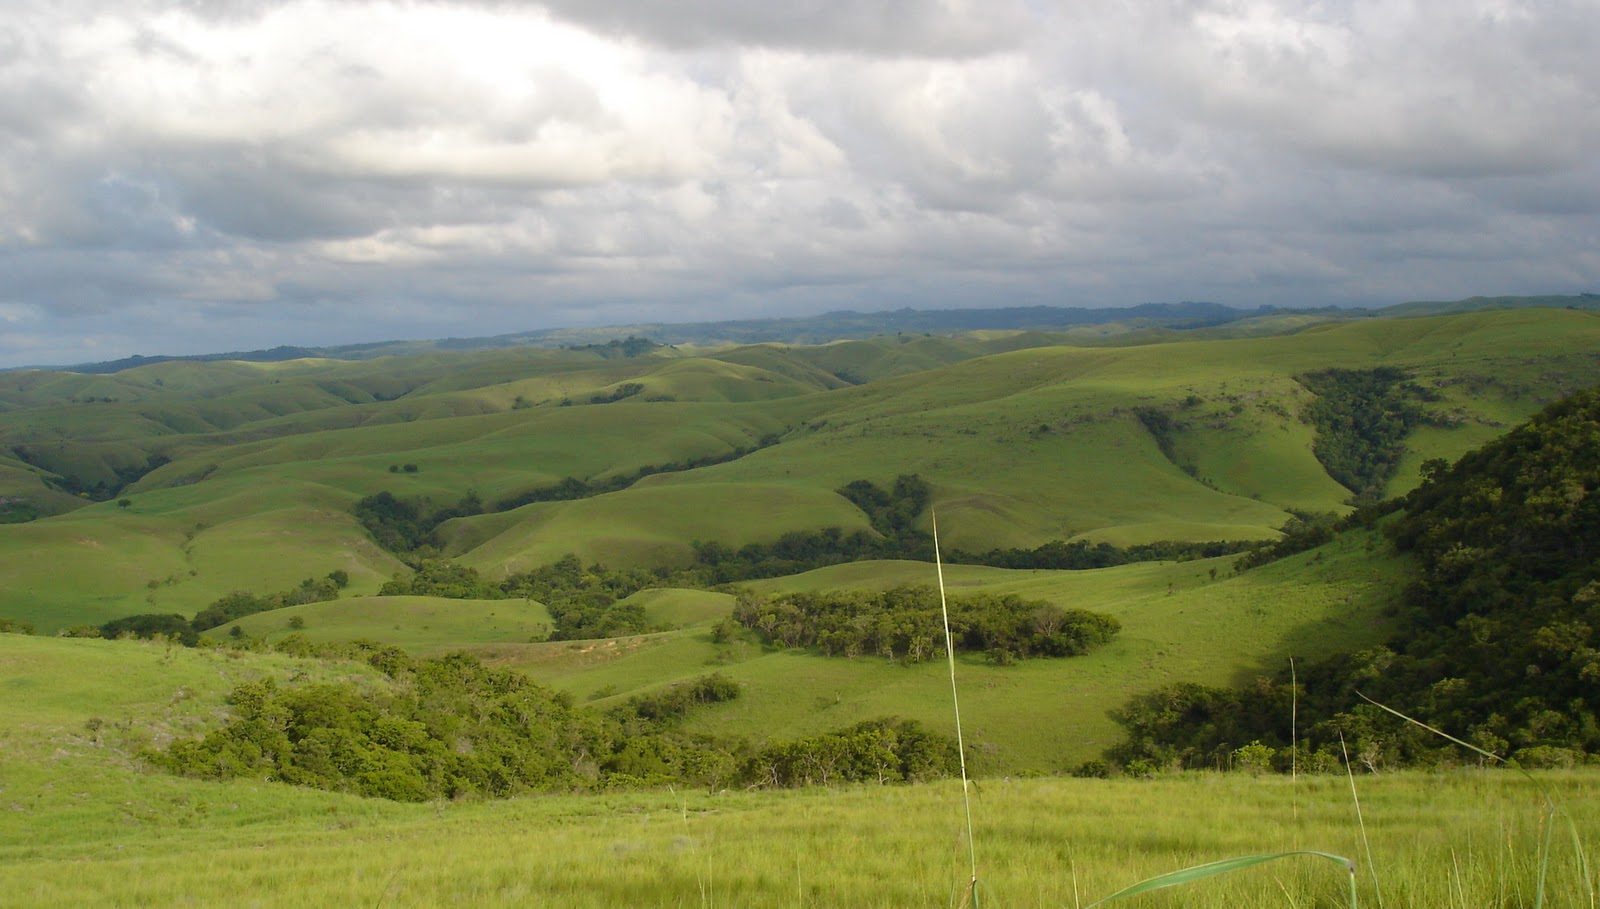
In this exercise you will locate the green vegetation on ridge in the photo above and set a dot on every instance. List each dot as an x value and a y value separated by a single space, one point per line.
1497 642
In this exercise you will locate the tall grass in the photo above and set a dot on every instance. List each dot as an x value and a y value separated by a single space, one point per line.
83 823
1459 840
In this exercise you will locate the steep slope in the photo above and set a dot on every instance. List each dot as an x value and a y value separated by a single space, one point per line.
1496 641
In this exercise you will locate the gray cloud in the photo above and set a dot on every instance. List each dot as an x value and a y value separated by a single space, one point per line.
181 177
959 28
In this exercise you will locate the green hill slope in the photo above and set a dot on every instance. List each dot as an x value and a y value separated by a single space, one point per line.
1179 624
1191 439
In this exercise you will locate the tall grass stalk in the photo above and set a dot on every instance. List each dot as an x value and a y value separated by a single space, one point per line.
1361 823
1294 745
961 747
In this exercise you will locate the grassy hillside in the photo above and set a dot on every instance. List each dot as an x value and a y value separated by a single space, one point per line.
243 475
1179 624
1046 443
160 488
85 824
420 624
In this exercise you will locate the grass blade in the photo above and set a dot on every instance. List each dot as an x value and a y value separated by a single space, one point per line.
1211 869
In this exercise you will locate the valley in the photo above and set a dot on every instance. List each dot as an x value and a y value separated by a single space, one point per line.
163 489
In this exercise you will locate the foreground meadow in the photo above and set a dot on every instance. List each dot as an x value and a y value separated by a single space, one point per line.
1464 839
84 822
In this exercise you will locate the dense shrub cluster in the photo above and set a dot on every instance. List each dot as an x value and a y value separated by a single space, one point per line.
405 526
905 623
585 602
442 578
876 751
451 727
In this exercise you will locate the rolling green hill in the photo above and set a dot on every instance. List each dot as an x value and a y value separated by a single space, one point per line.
243 475
189 481
164 487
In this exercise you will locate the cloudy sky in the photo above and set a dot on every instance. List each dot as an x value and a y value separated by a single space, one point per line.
184 177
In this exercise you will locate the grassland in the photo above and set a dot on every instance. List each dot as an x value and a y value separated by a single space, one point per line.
84 824
420 624
1179 624
243 476
1025 439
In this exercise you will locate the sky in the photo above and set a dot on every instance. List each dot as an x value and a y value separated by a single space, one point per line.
211 175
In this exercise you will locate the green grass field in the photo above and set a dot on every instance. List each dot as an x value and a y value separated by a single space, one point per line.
419 624
83 823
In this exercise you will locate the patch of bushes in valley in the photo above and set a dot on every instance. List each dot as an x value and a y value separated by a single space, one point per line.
1362 418
63 480
450 727
905 623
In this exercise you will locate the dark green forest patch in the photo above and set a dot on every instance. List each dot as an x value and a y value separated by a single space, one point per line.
1362 418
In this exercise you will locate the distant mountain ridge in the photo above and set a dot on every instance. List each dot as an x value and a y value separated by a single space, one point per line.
842 325
833 326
